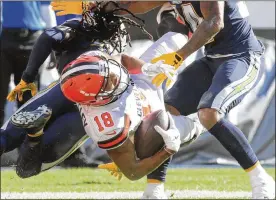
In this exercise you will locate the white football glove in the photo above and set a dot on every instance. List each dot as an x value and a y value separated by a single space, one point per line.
153 69
171 137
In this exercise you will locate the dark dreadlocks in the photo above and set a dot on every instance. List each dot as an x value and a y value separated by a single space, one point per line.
109 26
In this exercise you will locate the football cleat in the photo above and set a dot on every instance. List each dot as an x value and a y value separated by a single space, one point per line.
154 191
263 188
29 159
32 121
160 195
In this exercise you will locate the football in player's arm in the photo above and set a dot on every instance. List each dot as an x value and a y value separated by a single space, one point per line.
124 156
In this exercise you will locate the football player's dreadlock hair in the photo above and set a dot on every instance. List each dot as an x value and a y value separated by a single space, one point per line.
109 25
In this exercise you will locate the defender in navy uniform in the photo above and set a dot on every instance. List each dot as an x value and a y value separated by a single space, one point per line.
214 84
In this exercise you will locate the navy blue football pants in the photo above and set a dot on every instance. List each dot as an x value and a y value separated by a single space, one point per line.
219 83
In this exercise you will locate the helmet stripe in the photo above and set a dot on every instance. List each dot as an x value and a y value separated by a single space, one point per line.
94 68
77 63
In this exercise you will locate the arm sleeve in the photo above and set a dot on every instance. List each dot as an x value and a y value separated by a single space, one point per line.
47 40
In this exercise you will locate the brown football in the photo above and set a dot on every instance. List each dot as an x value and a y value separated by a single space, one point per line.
147 140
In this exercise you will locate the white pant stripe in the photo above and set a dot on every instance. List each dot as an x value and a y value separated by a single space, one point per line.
231 92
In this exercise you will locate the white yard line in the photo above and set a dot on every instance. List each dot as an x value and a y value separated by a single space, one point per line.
123 195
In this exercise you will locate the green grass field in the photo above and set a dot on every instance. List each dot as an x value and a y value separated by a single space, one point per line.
87 180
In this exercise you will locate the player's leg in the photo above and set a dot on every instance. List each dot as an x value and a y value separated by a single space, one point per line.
183 97
57 147
234 78
155 182
12 137
58 141
33 122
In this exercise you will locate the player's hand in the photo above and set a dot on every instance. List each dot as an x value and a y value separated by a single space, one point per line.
171 136
154 69
173 59
19 89
71 7
113 169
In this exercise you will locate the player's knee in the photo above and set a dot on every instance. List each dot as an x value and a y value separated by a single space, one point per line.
208 117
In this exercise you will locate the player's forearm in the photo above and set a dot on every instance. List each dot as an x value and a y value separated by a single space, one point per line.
39 54
125 158
145 166
205 32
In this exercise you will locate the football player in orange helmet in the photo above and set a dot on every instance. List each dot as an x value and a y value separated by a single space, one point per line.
113 102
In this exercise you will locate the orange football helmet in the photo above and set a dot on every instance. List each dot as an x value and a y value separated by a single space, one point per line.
85 79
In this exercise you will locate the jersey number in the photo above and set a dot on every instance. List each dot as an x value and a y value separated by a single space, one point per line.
192 18
106 121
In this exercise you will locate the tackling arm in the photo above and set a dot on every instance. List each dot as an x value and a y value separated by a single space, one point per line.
213 13
42 49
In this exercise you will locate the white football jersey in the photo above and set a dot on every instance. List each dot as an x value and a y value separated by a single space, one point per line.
110 125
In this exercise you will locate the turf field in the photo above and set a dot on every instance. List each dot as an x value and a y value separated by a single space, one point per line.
96 184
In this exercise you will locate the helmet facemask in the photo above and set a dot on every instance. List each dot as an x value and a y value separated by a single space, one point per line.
115 75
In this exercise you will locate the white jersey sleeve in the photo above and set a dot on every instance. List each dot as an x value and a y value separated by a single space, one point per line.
168 43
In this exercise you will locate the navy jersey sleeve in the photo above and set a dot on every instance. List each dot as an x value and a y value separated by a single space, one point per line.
51 39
